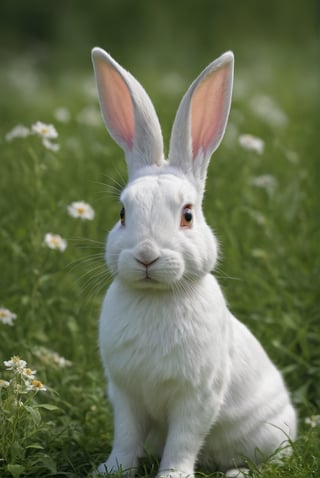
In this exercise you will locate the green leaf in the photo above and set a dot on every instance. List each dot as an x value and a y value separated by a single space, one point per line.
35 414
45 462
15 470
35 446
47 406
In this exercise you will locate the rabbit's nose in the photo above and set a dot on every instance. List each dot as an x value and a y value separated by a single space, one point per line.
147 253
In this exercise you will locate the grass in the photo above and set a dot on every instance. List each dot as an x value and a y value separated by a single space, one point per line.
262 207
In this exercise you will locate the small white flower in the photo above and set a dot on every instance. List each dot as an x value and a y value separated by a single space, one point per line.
15 363
28 373
266 108
36 385
62 114
6 316
81 209
265 181
18 131
50 357
60 361
313 421
45 130
55 241
252 143
4 383
49 145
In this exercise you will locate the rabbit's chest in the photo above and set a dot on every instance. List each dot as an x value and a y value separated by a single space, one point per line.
155 368
140 350
156 348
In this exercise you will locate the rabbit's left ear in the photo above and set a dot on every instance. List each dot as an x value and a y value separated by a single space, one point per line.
202 117
128 113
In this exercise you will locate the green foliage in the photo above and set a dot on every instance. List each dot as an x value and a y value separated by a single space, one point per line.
21 419
263 206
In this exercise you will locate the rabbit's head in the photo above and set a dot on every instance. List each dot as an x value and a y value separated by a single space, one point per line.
162 239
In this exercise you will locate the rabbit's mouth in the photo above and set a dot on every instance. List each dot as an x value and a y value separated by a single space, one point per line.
150 283
159 271
150 278
147 283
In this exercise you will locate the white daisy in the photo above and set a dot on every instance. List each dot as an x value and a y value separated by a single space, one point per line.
252 143
15 363
55 241
81 209
36 386
45 130
6 316
18 131
313 421
28 373
49 145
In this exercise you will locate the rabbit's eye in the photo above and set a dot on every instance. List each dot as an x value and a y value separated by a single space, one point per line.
187 216
123 216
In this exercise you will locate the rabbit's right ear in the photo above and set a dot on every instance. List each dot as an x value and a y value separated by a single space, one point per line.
128 113
201 118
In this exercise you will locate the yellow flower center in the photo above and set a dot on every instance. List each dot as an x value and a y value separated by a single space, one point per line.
36 384
55 241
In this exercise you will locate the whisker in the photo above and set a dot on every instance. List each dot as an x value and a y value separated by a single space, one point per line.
93 269
94 282
114 186
220 274
85 261
81 243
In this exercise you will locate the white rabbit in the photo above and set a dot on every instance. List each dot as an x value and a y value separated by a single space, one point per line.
185 377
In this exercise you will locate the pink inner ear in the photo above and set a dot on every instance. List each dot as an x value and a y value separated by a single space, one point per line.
116 104
208 111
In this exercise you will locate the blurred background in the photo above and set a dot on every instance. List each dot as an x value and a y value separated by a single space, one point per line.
43 45
159 34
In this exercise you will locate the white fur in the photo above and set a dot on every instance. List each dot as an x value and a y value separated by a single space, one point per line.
186 379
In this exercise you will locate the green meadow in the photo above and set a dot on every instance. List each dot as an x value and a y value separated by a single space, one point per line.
262 201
